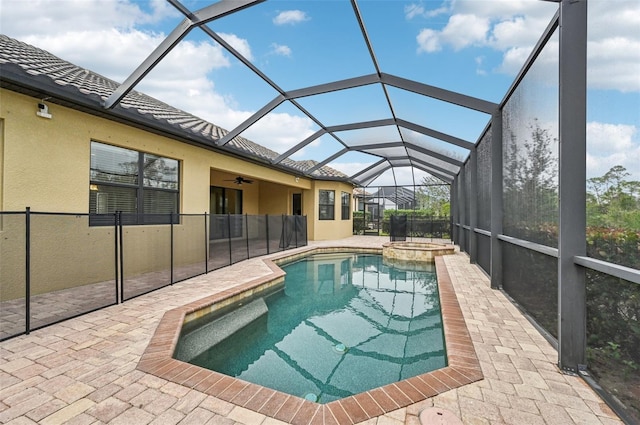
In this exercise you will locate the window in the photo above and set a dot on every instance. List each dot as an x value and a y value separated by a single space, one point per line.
326 204
346 205
132 182
223 200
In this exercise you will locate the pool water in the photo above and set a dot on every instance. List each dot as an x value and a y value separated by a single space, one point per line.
343 324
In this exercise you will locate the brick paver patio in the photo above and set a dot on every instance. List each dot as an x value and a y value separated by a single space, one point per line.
84 370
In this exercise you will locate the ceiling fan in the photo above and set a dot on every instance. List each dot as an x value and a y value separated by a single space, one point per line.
239 180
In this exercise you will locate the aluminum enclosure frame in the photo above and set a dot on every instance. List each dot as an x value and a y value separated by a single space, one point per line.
571 23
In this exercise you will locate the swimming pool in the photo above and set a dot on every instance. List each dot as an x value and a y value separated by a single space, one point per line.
342 324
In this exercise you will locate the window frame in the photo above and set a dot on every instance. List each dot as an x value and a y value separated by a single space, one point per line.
141 187
345 207
329 207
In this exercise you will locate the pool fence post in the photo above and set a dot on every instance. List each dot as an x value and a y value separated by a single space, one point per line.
121 251
246 225
27 264
306 234
229 237
266 216
171 247
115 252
283 234
206 245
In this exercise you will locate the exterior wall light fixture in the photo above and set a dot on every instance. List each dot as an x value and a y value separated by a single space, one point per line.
43 111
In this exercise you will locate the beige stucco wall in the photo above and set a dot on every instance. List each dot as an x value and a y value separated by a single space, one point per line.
1 159
44 164
46 161
327 229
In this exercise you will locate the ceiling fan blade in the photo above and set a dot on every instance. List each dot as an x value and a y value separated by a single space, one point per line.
239 180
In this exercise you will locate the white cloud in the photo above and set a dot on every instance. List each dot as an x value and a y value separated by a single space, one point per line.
417 10
516 31
290 17
461 31
21 18
108 37
280 131
479 65
162 9
239 44
603 137
613 49
413 10
513 59
280 50
614 63
350 168
612 144
428 41
180 79
465 30
513 27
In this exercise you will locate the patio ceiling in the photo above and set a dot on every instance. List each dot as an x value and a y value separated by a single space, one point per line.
391 142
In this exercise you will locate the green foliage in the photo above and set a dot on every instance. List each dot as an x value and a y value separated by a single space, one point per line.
360 219
420 223
613 305
409 213
530 185
613 235
433 197
613 201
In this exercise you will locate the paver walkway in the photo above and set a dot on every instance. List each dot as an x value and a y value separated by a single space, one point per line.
83 371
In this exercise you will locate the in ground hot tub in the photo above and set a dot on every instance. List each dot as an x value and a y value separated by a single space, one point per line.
415 251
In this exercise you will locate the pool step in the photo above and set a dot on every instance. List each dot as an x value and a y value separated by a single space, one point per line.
199 340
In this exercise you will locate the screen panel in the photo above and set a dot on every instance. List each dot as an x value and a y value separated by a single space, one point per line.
483 189
530 152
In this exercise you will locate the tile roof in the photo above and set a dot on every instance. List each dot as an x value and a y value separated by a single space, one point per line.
37 62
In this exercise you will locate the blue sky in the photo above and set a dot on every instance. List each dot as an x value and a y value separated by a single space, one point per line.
473 47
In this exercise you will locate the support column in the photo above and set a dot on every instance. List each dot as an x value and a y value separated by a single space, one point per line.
455 235
451 221
472 198
572 184
496 199
462 199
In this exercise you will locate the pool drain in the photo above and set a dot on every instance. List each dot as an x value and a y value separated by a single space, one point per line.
340 348
311 397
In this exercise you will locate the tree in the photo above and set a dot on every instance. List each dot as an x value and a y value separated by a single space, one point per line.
433 196
530 184
613 201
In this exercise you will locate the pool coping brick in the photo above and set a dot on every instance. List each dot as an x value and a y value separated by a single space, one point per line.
463 366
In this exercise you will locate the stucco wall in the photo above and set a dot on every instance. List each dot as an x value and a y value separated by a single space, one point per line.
328 229
46 161
275 199
45 165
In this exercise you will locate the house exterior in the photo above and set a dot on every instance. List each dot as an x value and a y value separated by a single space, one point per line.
63 152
